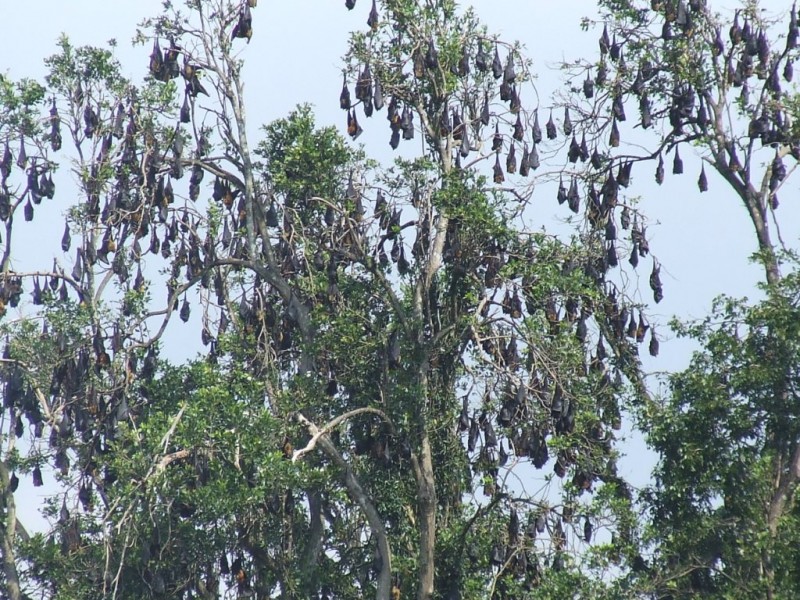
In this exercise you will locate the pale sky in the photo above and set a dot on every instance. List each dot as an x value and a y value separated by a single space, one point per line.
702 241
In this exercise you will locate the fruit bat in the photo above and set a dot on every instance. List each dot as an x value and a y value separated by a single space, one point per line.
794 30
490 438
353 128
525 163
613 139
419 63
536 130
717 46
407 123
119 119
395 252
497 139
185 311
625 218
458 126
660 170
584 149
169 194
502 456
602 74
550 127
631 330
28 210
653 346
66 239
462 69
465 145
91 121
588 86
350 4
393 350
610 190
509 73
364 85
641 329
244 26
634 257
36 474
511 160
445 127
403 267
377 96
574 152
481 59
156 61
677 163
604 41
77 94
534 158
519 129
567 122
587 530
431 56
463 418
735 32
55 128
573 198
472 436
655 282
190 73
614 49
186 114
77 270
702 181
581 331
617 107
515 102
5 164
505 91
22 156
561 195
85 497
170 66
623 177
511 353
611 255
497 65
372 20
594 207
498 171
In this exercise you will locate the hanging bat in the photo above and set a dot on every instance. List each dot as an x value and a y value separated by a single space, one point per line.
550 127
614 139
372 20
702 181
156 61
244 26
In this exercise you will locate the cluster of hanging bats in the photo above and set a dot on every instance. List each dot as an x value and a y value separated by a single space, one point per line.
140 205
748 55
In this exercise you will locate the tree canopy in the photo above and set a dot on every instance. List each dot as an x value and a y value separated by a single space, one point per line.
404 388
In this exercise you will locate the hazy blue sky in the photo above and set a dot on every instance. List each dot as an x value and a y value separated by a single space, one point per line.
702 241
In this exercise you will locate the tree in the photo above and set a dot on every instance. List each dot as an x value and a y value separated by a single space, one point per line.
319 448
721 504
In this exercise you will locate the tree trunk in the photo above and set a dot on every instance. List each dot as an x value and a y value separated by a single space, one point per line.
8 533
426 489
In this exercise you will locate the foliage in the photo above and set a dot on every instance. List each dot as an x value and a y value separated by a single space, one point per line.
721 507
729 418
392 355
